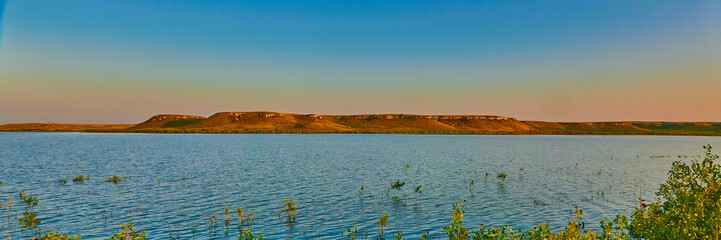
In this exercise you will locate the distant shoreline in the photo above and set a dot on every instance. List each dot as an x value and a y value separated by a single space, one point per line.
288 123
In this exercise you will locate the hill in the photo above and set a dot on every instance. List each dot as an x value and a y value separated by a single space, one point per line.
274 122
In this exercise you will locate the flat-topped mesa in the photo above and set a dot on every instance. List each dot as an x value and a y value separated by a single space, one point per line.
413 116
162 117
160 121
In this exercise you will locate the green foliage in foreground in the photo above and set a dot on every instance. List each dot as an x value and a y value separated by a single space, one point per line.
691 209
692 206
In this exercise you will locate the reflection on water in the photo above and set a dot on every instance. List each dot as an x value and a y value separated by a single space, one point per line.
180 185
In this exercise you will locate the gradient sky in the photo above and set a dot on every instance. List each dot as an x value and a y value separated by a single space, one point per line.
100 61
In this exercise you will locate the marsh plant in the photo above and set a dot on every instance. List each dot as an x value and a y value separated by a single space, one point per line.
29 219
227 221
128 233
249 236
417 191
382 223
212 223
245 217
289 209
80 178
115 179
397 185
502 176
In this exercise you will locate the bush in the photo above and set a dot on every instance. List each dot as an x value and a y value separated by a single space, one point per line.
692 206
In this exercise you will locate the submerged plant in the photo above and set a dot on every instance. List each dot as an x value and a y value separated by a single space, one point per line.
115 179
249 236
289 208
502 176
29 219
382 223
80 178
397 184
417 191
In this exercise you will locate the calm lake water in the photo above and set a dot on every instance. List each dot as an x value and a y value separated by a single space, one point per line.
178 181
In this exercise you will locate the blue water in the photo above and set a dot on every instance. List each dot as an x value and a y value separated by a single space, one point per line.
178 181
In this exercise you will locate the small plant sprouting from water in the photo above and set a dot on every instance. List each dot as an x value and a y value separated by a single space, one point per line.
80 178
128 233
397 184
249 236
227 221
115 179
408 166
417 191
456 229
29 219
212 223
289 208
245 217
363 187
382 223
502 176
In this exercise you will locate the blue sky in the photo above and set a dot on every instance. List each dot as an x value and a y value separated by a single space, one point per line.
123 61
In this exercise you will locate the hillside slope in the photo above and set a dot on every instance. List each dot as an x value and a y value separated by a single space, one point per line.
274 122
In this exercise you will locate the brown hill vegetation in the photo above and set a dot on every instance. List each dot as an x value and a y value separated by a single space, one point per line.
273 122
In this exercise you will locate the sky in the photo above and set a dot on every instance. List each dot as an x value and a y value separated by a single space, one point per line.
102 61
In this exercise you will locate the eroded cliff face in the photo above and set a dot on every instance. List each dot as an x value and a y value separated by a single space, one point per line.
338 123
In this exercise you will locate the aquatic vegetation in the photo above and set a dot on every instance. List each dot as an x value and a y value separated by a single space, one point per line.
397 184
227 221
128 233
417 191
245 217
456 229
212 224
353 233
80 178
29 219
363 187
249 236
289 208
115 179
53 236
502 176
382 223
408 166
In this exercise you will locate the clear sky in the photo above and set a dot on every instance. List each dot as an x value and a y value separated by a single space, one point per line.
101 61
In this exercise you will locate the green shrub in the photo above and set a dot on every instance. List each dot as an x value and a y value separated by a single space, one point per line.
692 203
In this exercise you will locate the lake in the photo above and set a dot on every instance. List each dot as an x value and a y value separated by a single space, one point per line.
178 182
